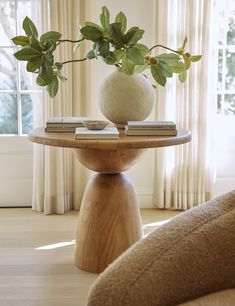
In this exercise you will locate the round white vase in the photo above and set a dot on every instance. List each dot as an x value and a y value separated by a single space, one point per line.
126 98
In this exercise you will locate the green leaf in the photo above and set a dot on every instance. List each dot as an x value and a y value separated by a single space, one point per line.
59 66
61 77
142 48
121 18
51 35
79 38
178 67
158 76
45 75
184 44
133 35
34 64
95 48
91 33
103 48
169 58
116 36
141 68
135 56
34 43
187 61
26 54
118 54
183 76
110 59
127 66
29 27
165 69
104 17
49 59
195 58
21 40
50 45
53 87
92 24
91 54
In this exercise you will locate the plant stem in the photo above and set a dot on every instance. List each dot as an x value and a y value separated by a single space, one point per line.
73 61
70 40
165 48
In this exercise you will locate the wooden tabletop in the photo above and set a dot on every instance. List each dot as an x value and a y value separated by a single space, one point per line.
124 142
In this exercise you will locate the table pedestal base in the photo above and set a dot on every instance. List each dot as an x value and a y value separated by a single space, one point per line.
109 222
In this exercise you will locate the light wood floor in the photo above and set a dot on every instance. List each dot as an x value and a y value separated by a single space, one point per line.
36 257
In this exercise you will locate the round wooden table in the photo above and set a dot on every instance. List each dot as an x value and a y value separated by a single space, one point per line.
109 219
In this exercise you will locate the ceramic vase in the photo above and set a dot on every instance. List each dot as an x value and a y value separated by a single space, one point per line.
126 97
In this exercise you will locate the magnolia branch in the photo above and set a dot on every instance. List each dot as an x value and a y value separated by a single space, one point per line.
70 40
73 61
156 46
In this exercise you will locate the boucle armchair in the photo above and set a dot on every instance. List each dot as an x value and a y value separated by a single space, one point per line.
190 260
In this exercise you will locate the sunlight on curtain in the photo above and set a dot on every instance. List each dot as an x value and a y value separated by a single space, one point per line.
184 175
58 179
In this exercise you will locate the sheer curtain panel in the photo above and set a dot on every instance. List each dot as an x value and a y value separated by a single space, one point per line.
184 175
58 179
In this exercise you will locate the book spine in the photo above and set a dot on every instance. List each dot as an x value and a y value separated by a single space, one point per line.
149 132
152 127
70 130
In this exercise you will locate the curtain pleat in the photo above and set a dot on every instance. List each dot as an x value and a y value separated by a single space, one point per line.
184 175
59 180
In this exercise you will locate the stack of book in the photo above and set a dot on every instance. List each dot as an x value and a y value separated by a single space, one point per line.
106 133
64 124
150 128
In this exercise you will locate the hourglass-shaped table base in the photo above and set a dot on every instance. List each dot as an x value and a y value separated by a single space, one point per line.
109 219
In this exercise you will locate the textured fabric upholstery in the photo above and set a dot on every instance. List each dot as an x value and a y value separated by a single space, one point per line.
189 257
219 298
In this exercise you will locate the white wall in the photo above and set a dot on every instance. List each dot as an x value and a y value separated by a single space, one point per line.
16 163
225 164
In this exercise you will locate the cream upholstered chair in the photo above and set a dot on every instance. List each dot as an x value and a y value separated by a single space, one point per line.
190 260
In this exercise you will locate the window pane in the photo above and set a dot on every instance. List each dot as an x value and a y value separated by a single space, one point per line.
27 80
8 114
220 65
7 22
8 68
229 105
230 75
231 32
218 104
231 23
26 105
221 29
23 9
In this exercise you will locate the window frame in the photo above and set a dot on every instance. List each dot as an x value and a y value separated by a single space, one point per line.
18 91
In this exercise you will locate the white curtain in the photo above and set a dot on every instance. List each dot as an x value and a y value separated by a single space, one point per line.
58 179
184 175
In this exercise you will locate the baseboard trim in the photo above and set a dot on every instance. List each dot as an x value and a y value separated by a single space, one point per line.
145 199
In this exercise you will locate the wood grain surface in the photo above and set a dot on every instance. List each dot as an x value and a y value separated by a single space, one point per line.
124 142
108 161
109 222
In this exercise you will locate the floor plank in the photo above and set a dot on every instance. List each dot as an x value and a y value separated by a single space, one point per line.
36 257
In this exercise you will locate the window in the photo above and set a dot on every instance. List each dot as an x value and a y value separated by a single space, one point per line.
17 89
226 58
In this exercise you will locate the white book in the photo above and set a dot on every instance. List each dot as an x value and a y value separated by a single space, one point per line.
150 132
60 129
65 121
151 124
107 133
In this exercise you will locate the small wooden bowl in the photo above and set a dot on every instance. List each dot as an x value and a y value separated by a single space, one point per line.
95 124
